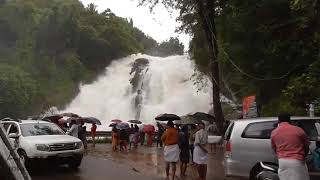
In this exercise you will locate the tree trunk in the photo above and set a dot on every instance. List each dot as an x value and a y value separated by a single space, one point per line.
207 16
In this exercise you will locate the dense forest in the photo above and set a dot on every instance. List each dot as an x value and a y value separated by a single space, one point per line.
48 47
267 48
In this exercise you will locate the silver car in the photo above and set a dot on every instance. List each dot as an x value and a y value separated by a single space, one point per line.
247 142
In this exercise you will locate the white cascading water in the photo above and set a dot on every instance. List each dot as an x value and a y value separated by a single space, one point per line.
168 89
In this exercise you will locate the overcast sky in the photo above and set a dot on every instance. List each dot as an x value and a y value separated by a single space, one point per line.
160 24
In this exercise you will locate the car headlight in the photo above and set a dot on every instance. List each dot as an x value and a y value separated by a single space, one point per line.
78 145
42 147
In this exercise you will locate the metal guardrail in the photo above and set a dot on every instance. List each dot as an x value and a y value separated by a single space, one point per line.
100 134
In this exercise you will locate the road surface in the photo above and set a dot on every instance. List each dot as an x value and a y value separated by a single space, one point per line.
145 163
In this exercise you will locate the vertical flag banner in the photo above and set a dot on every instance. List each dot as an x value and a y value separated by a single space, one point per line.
249 107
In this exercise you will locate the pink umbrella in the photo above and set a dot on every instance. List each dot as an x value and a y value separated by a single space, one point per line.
148 128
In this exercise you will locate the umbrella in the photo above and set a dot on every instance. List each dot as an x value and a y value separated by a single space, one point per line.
185 120
116 121
53 118
91 120
70 114
167 117
203 116
113 125
66 119
122 125
135 121
148 128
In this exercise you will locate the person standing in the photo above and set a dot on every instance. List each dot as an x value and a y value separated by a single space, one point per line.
159 134
149 138
93 133
213 138
292 146
131 136
200 153
115 139
171 150
191 140
136 135
184 147
142 137
124 137
74 129
82 134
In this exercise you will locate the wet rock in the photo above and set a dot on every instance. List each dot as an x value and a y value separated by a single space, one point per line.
137 68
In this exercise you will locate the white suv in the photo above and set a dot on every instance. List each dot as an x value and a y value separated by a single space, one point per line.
36 140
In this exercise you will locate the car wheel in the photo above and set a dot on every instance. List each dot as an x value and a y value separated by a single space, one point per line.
266 175
75 162
24 158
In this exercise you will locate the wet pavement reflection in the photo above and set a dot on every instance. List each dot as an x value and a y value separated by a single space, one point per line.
149 160
141 163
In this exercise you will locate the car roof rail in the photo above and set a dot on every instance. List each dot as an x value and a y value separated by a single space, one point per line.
10 119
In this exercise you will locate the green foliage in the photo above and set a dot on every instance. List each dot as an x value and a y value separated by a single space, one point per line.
167 48
267 48
59 43
18 91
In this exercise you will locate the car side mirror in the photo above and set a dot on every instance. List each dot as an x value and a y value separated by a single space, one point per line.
14 135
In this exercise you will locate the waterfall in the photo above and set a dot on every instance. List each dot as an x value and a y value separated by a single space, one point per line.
165 85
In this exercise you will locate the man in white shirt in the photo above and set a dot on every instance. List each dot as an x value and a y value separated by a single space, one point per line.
200 153
74 130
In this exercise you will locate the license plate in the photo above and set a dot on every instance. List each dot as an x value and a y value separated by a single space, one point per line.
65 155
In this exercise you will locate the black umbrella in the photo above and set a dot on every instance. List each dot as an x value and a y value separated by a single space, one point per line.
135 121
113 125
91 120
187 120
69 114
53 118
203 116
167 117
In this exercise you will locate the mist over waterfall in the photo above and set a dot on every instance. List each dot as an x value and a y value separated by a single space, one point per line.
165 86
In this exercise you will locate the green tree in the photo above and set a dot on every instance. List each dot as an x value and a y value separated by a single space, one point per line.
60 43
18 92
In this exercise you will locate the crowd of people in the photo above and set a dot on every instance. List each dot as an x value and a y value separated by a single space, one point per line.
78 129
181 143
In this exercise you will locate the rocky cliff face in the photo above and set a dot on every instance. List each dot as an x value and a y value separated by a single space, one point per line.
139 68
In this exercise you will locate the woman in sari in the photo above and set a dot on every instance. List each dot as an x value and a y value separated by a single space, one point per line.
115 139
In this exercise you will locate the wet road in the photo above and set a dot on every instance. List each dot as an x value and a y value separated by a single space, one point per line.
147 163
92 168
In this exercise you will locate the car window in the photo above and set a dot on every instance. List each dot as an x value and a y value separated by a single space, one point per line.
309 127
259 130
38 129
229 132
13 129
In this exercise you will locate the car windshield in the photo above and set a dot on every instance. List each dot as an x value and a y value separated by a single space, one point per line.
39 129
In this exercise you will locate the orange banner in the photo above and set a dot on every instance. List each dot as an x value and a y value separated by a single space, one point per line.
246 104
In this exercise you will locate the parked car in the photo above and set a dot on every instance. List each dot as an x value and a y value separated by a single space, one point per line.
41 140
247 143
